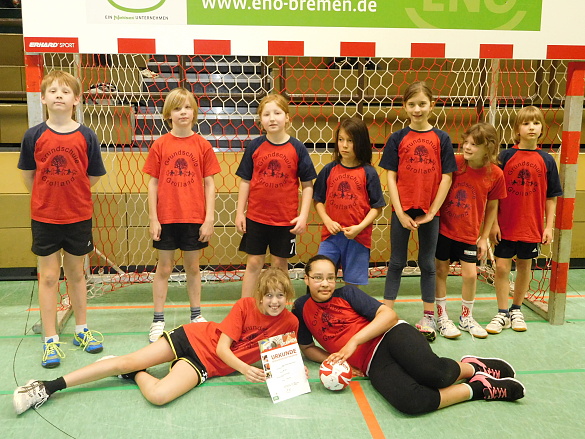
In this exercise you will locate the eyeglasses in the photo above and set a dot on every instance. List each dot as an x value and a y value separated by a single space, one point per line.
319 278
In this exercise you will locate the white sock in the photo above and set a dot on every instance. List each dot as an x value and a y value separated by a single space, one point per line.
80 328
470 391
441 303
467 308
54 337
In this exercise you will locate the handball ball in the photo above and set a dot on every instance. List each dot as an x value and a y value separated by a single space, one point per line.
335 376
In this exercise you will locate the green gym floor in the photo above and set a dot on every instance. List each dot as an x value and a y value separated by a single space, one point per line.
550 361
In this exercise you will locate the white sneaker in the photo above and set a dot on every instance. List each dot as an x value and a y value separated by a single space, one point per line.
447 328
427 327
199 319
517 320
469 324
499 322
32 394
156 330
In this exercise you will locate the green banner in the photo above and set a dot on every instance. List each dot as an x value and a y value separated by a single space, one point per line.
523 15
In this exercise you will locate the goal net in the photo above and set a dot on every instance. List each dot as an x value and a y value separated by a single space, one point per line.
124 94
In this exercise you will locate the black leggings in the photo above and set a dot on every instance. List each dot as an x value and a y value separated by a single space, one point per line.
407 372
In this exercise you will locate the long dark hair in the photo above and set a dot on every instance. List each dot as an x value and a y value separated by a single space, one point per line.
355 128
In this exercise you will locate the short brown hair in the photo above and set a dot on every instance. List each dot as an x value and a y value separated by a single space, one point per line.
273 279
62 78
528 114
175 99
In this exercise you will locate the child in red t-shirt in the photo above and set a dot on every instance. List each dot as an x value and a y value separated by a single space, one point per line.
467 216
60 161
181 202
268 198
419 160
196 351
348 198
532 185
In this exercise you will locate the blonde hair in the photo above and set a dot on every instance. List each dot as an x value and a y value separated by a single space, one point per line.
175 99
528 114
273 279
62 78
280 102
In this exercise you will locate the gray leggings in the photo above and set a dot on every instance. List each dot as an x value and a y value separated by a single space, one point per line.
427 244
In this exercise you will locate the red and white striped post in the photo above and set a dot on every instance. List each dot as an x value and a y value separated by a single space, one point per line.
34 68
566 204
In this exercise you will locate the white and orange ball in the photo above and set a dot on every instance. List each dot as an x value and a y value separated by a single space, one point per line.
335 376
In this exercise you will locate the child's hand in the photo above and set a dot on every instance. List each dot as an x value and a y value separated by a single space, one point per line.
351 232
423 219
356 372
300 226
495 234
344 353
205 232
255 375
547 236
155 229
407 222
241 223
481 249
332 226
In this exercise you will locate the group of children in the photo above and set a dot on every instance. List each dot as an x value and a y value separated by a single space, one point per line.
474 197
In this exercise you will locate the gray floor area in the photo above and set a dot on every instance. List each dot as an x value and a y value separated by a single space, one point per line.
550 361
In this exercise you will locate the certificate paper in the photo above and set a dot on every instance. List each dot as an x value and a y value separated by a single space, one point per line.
284 368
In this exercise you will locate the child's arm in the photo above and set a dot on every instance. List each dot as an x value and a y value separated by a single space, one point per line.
438 201
223 351
550 208
352 231
332 226
93 180
206 229
300 221
243 193
385 319
495 232
155 227
406 221
28 177
491 213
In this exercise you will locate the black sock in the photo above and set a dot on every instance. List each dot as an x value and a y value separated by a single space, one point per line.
131 375
55 385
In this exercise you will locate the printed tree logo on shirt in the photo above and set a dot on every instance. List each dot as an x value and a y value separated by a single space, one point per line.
422 156
273 174
344 191
181 164
59 164
461 197
524 176
180 169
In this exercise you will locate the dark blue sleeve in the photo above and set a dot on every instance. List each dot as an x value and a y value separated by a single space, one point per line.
364 304
553 188
306 169
448 163
389 158
246 167
26 160
320 186
304 336
504 156
95 164
374 187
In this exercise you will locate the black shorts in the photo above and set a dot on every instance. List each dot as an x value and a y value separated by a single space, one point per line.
449 249
259 237
179 235
74 238
184 351
523 250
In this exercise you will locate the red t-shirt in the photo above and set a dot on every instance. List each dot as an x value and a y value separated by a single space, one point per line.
274 172
463 211
244 324
61 192
531 177
180 164
348 195
419 158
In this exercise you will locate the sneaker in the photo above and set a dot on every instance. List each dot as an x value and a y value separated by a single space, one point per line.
32 394
52 354
199 319
156 330
428 328
499 322
494 367
517 320
469 324
447 328
88 341
503 389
